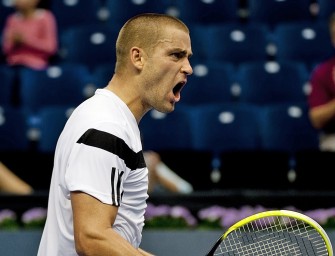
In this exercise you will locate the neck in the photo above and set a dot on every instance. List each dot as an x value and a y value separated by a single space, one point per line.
28 12
129 96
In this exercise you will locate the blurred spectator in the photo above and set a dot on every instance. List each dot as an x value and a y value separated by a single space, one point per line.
322 97
30 35
162 179
12 184
29 39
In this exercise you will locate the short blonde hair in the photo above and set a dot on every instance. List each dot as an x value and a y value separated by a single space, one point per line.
144 31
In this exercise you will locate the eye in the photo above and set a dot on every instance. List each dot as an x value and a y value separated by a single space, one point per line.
177 55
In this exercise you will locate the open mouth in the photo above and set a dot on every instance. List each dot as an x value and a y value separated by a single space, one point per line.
178 87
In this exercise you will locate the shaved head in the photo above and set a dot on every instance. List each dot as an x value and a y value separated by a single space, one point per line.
144 31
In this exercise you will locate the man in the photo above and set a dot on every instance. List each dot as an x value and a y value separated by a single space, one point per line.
99 184
322 98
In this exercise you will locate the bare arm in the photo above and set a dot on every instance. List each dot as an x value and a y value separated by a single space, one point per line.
93 231
10 183
160 173
144 253
320 115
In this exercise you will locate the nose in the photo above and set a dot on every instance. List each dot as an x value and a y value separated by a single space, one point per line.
187 68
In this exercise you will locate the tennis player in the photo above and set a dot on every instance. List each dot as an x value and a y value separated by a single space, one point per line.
99 183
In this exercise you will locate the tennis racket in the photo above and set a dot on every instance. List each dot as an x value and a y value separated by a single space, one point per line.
274 233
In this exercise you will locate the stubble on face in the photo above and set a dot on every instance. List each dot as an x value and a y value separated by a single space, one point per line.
157 87
161 73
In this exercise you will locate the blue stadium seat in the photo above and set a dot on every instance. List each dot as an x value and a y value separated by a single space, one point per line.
226 127
73 13
200 35
13 129
89 45
326 8
170 136
231 132
273 12
305 42
236 43
286 127
65 85
266 83
207 12
120 11
102 74
210 83
170 131
7 85
51 121
2 55
6 8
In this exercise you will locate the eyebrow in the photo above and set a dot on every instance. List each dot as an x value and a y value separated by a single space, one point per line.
184 52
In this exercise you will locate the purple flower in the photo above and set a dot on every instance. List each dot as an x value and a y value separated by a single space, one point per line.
230 217
184 213
319 215
162 210
7 214
246 211
292 208
34 214
331 212
179 212
153 211
8 220
212 213
167 216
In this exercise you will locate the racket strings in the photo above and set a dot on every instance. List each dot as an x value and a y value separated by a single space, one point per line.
262 243
273 236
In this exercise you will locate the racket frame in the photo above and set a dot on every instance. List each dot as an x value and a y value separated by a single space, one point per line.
277 213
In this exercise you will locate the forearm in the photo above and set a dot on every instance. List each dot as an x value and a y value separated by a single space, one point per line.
47 45
322 114
108 242
172 181
10 183
144 253
93 232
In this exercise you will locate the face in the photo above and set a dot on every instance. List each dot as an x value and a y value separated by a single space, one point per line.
165 70
23 5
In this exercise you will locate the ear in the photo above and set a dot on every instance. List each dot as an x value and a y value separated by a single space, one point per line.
137 57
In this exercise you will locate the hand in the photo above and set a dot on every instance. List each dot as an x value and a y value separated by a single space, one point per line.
17 39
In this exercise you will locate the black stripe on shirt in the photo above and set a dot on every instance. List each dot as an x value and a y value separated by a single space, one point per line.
115 145
116 178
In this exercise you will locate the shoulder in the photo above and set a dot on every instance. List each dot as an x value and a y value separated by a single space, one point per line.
325 67
100 116
14 16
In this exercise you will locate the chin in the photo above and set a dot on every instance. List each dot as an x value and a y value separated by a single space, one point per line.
166 109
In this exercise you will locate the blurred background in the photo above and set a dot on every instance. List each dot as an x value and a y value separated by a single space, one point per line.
241 134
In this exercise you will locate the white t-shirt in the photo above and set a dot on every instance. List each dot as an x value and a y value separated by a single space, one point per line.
100 153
